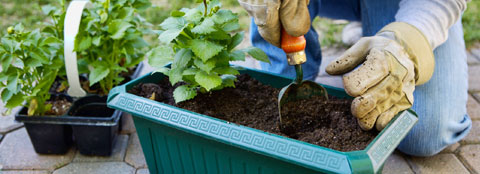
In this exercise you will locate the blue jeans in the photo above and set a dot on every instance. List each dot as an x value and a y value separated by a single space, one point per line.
440 103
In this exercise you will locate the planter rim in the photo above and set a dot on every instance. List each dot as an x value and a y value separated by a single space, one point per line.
286 149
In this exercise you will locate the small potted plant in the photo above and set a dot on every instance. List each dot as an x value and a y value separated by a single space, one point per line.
31 60
109 45
188 116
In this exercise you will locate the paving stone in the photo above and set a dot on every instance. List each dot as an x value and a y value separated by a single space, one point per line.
476 95
473 108
16 152
25 172
396 164
475 52
471 59
128 127
1 136
8 123
451 149
143 171
135 155
473 80
118 153
96 168
474 134
441 163
470 154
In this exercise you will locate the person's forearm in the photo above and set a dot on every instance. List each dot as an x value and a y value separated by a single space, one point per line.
432 17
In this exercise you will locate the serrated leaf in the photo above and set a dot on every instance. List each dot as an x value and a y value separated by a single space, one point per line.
182 58
96 40
177 13
206 27
160 56
204 49
219 35
15 100
237 55
223 16
183 93
33 63
205 66
117 28
236 40
208 80
228 80
257 53
98 73
175 75
167 36
193 15
173 23
231 26
226 70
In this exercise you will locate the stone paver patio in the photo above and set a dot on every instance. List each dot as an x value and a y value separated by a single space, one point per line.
17 155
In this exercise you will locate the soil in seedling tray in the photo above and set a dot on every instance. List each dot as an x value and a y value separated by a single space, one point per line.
60 106
253 104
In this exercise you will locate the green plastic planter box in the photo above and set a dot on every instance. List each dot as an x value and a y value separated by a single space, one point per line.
175 140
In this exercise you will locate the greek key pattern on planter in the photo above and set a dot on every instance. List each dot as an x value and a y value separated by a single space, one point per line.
385 145
235 134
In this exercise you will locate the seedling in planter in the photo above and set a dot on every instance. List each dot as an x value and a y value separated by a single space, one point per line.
200 44
30 62
110 41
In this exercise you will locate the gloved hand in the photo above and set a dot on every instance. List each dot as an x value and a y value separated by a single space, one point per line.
394 60
270 15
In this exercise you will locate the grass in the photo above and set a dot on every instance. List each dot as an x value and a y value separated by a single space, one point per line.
13 11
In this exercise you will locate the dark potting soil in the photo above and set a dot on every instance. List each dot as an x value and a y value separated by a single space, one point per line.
324 123
59 107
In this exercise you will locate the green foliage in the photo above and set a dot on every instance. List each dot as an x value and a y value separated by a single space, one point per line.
471 23
110 40
30 62
199 43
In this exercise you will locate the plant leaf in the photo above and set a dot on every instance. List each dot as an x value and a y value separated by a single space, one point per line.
231 26
237 55
160 56
117 28
98 73
177 13
236 40
207 66
167 36
84 44
219 35
182 58
223 16
175 75
6 95
226 70
228 80
193 15
183 93
15 100
206 27
204 49
257 53
173 23
208 80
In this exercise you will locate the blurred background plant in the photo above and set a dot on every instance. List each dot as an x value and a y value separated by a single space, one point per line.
12 12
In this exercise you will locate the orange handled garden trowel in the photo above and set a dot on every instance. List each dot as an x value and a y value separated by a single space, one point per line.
294 47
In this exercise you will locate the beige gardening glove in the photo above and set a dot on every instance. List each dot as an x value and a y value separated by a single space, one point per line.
393 61
270 15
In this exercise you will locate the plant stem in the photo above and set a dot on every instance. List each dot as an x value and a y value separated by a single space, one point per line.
205 4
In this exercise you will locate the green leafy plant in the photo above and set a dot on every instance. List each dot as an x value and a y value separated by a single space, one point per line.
110 40
200 45
30 62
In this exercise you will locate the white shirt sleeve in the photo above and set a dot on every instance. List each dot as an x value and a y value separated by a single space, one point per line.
432 17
